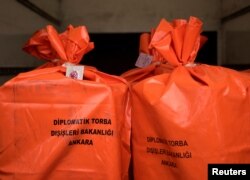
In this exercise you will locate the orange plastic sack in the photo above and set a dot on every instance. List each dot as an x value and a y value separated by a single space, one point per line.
189 117
55 127
159 64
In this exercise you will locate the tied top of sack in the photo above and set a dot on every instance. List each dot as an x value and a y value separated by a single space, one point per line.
145 40
67 47
176 42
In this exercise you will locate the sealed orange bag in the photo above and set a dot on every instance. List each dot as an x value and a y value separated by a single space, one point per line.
158 63
57 127
188 117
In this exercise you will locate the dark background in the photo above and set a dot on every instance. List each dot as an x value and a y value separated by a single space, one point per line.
116 53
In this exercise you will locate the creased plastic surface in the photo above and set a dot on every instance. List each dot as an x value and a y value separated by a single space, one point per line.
171 44
178 42
54 127
189 116
69 46
205 106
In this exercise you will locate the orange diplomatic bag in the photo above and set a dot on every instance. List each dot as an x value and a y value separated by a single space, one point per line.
56 127
187 116
150 62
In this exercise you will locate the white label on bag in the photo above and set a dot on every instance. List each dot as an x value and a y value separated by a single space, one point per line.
143 60
74 72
